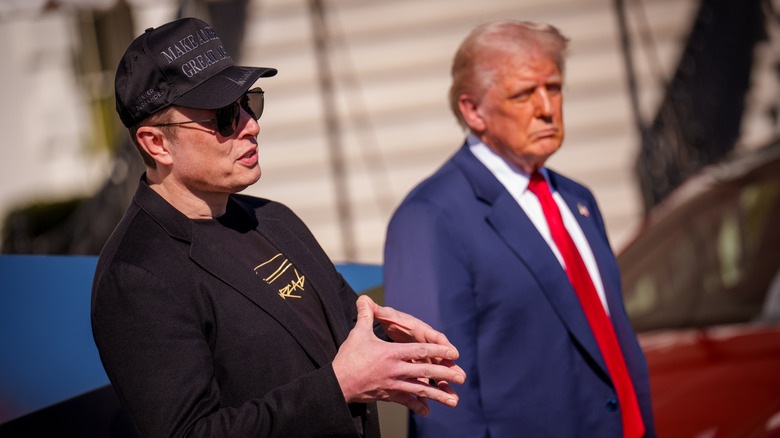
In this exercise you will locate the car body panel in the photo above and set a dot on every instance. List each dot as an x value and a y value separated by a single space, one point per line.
702 288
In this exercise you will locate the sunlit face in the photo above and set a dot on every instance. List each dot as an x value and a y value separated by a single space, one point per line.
520 114
205 163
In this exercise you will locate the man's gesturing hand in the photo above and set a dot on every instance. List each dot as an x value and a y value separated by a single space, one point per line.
369 369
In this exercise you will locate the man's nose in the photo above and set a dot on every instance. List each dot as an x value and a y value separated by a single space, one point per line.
250 125
542 103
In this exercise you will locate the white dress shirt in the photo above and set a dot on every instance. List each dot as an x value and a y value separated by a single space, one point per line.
516 182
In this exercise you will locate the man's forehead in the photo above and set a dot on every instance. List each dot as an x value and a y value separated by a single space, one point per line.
530 67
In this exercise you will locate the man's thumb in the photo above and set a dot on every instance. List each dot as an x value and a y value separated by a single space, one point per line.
365 312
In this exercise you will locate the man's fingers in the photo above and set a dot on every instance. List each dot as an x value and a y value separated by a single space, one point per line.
424 391
396 366
434 337
402 327
446 387
423 371
424 402
417 405
425 352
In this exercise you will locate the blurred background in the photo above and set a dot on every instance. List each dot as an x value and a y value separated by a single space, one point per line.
672 113
655 90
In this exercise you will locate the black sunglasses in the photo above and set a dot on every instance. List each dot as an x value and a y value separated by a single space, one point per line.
228 116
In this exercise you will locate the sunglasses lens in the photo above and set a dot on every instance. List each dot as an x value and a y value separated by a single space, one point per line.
229 116
227 119
254 102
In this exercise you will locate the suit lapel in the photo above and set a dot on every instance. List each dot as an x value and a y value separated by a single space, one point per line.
513 226
590 222
518 232
589 219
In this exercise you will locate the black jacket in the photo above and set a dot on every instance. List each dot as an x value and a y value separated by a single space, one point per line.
195 346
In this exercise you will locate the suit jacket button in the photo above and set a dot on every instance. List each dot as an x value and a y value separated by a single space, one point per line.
612 405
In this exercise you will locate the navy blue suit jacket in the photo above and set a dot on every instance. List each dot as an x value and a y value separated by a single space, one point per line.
462 255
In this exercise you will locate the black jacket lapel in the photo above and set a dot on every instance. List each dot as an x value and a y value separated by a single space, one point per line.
210 255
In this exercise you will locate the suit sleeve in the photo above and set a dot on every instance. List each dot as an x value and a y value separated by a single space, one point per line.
427 274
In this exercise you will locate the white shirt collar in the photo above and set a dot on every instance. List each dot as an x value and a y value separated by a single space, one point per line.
506 172
516 183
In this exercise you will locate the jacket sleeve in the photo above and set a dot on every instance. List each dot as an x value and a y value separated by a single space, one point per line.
426 274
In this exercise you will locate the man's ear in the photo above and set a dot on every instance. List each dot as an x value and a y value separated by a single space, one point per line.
154 141
469 108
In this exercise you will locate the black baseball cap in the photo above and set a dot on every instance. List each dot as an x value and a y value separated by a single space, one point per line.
179 63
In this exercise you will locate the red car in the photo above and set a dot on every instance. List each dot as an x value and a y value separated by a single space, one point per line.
702 289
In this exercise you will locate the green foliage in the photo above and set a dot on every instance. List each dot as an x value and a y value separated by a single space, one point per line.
23 225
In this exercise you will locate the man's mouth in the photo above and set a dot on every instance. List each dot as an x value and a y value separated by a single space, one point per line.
549 132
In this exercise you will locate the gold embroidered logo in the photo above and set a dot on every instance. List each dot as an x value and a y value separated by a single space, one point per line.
293 280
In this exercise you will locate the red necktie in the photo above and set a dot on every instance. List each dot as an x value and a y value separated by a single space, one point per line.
600 324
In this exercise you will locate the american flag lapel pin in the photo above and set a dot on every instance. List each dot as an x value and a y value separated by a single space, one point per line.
583 210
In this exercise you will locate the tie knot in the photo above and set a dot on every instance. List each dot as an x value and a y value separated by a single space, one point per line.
538 185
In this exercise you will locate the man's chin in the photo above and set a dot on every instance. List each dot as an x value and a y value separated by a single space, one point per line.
246 184
546 146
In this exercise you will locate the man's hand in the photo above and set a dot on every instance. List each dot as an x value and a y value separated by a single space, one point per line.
369 369
402 327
